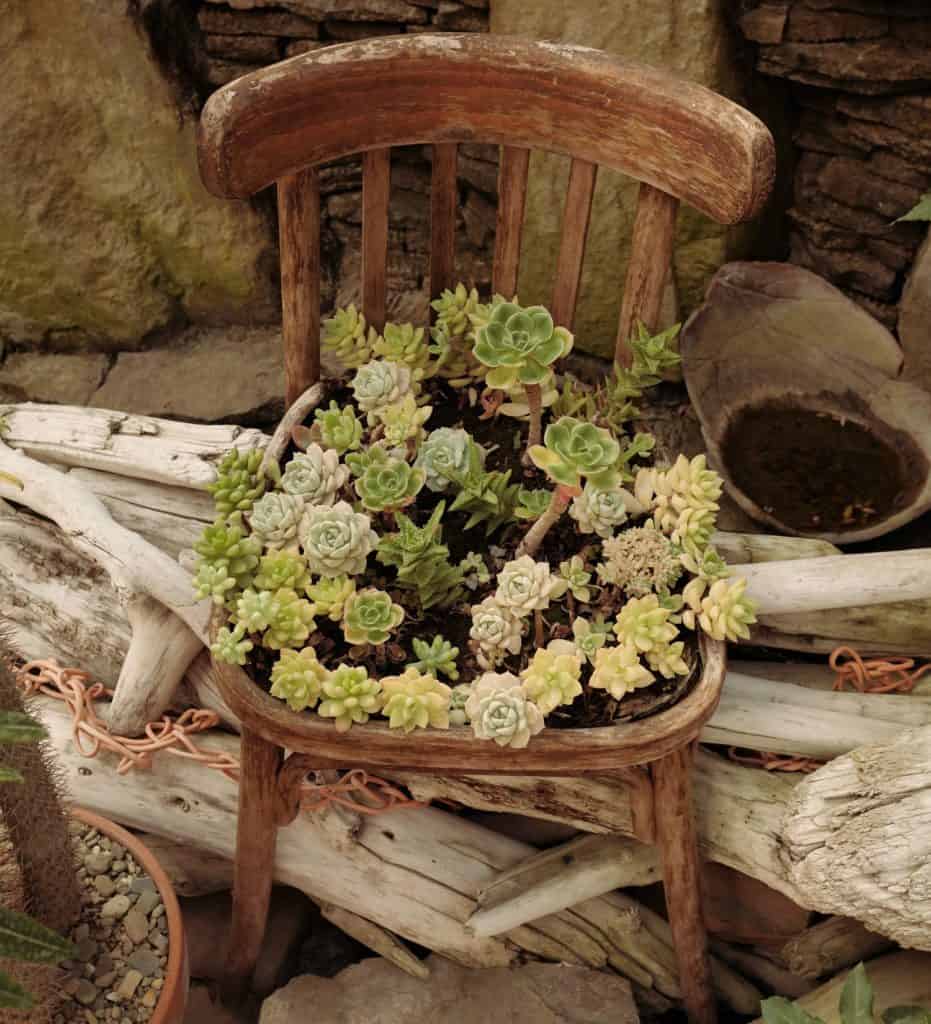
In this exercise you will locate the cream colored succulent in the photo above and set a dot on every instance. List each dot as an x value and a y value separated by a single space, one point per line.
683 499
329 595
645 624
619 671
380 383
297 677
668 660
499 710
458 698
553 675
275 518
725 613
602 512
525 586
315 475
639 561
402 421
414 701
496 632
335 540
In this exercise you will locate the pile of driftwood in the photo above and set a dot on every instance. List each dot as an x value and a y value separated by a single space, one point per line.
93 573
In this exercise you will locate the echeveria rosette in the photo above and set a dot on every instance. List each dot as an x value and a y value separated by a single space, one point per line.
525 586
232 645
669 660
226 543
645 624
496 632
577 578
404 344
553 676
386 483
532 503
336 541
380 383
414 700
239 483
435 657
573 449
329 595
590 636
500 710
619 670
316 475
298 677
724 613
349 696
337 428
519 345
275 518
446 456
370 617
286 619
346 335
602 510
279 569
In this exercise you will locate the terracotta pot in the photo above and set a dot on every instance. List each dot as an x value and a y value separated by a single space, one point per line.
173 1000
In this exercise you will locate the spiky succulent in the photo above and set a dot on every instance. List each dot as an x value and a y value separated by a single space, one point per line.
619 671
573 449
370 617
385 483
590 636
645 624
578 579
414 701
280 569
488 498
286 619
232 645
532 503
602 511
337 428
402 422
724 613
227 544
640 561
404 344
500 710
525 586
298 677
344 334
435 657
336 541
239 483
214 581
519 345
329 595
275 518
446 455
553 675
422 560
380 383
496 632
315 475
349 696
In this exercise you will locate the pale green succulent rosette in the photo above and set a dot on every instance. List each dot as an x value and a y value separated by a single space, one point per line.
415 701
435 657
329 596
380 383
519 345
275 518
344 334
500 710
337 428
370 617
350 696
619 671
316 475
573 449
280 569
388 483
404 343
232 645
239 483
336 541
298 677
445 456
553 676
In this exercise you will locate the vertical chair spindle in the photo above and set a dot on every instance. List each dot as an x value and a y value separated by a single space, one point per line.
443 202
512 192
575 219
376 187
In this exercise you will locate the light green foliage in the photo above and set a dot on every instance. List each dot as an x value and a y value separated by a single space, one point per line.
639 446
454 309
447 455
227 544
452 336
232 645
475 569
336 541
329 596
415 701
380 383
553 676
286 619
639 561
489 498
404 344
668 660
280 569
645 624
213 581
532 502
239 484
601 511
921 211
577 578
725 613
519 345
298 677
344 334
386 483
315 475
619 671
684 501
370 617
422 560
338 428
707 564
590 636
349 695
435 657
275 518
403 421
573 449
458 698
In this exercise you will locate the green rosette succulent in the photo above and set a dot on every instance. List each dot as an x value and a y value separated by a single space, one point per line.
415 701
232 645
286 618
329 596
725 613
214 582
344 334
590 636
519 345
276 517
280 569
578 580
380 383
573 449
226 543
553 676
337 428
619 671
403 421
239 484
298 677
446 457
336 541
370 617
349 696
435 657
458 697
315 475
387 483
602 511
532 503
404 344
645 624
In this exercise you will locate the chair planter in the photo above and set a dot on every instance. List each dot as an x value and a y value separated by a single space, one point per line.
682 142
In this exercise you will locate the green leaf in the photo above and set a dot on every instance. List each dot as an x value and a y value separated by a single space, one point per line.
780 1011
15 727
13 996
10 774
920 212
856 998
23 938
906 1015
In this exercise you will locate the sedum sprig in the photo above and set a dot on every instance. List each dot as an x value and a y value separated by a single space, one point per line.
298 677
239 483
438 656
344 334
414 700
337 428
553 676
349 696
329 595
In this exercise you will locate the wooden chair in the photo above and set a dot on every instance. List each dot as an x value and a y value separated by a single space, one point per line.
682 142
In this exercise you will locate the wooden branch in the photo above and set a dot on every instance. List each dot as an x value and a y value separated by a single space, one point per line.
295 415
744 548
377 939
827 946
775 979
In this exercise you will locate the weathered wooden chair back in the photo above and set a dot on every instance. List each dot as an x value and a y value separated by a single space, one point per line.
680 140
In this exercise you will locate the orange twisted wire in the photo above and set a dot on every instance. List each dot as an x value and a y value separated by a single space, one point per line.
874 675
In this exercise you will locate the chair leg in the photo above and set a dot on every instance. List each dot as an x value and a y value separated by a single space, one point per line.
678 845
256 834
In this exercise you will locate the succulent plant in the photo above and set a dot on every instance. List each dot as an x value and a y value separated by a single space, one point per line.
214 581
577 578
298 677
336 541
239 483
602 511
344 334
329 595
435 657
458 698
452 334
337 428
380 383
370 617
590 636
619 671
422 561
226 543
446 455
496 632
489 499
386 483
553 675
286 619
688 484
280 569
573 449
640 561
525 586
519 345
668 660
499 710
694 529
315 475
645 624
232 645
402 422
415 701
531 504
275 518
349 696
725 613
475 570
706 564
404 344
453 309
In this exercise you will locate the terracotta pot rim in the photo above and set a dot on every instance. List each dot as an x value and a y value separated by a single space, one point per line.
176 982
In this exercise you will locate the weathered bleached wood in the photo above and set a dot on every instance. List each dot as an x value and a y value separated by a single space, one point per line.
377 939
296 413
775 979
827 946
900 627
745 548
810 674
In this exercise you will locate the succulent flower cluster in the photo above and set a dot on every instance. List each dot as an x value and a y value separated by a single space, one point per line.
352 559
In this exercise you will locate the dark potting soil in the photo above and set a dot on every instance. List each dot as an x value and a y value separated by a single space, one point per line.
815 472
